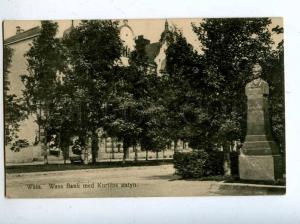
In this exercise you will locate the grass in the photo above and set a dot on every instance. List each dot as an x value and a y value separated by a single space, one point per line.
63 167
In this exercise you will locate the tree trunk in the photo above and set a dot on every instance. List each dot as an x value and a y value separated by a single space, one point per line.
175 145
119 147
87 144
156 155
65 150
43 142
105 145
226 163
146 154
135 153
112 149
43 135
125 154
45 152
95 147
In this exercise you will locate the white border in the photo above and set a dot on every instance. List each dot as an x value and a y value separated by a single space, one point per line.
267 209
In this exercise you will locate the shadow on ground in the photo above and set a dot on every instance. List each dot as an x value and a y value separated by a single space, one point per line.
172 177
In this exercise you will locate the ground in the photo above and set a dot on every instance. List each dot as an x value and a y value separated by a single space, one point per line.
110 182
138 181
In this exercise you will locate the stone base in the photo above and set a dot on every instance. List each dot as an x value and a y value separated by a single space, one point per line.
261 168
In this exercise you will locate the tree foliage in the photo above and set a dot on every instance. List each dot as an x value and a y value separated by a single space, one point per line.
200 99
275 76
230 48
13 107
7 58
134 113
187 98
93 49
45 60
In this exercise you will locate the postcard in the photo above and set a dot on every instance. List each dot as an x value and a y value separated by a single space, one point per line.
144 108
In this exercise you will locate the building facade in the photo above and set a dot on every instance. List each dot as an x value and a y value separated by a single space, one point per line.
20 44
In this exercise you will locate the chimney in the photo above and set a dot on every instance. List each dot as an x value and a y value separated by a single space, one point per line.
141 38
18 29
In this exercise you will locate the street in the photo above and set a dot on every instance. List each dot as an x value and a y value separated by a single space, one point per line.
149 181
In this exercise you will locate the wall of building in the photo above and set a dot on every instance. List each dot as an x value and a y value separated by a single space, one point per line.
25 155
160 59
127 37
28 127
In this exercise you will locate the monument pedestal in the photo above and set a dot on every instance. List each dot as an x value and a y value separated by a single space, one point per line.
259 159
261 168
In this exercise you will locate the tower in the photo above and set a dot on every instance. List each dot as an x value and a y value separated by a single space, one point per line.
160 59
127 37
68 31
166 25
165 33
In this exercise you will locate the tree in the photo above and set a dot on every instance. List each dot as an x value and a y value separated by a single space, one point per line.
93 49
14 109
230 48
15 112
149 93
139 62
138 57
135 107
185 90
7 57
274 74
45 60
123 111
154 127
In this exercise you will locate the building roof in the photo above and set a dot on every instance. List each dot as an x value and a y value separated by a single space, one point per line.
125 24
67 31
27 34
152 51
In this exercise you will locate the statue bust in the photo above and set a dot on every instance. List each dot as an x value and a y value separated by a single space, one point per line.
257 86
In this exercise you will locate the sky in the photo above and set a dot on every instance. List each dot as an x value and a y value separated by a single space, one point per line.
150 28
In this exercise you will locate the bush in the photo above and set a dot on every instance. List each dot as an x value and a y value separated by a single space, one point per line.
214 164
234 158
198 164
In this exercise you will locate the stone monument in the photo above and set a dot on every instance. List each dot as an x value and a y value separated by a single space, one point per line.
259 158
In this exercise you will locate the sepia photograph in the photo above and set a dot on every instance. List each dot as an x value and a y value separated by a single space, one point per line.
144 107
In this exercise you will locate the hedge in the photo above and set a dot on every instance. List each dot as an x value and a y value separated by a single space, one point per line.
198 164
